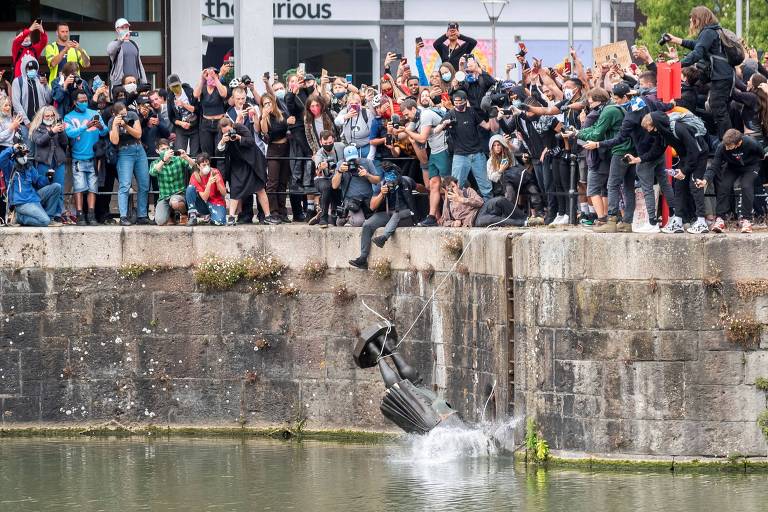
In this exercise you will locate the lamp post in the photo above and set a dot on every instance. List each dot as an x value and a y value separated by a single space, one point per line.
615 7
493 9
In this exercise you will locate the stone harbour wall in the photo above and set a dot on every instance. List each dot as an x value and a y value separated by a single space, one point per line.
620 345
83 342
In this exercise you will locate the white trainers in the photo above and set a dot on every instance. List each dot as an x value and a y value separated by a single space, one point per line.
565 220
558 220
698 228
647 228
674 226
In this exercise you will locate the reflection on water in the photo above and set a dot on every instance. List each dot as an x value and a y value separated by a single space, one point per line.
256 474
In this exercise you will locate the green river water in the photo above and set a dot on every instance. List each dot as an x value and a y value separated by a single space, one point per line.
186 474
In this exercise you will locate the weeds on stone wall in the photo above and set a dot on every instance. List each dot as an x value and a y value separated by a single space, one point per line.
342 296
762 422
761 383
381 268
453 245
314 270
744 331
536 447
428 272
264 272
750 289
134 271
215 273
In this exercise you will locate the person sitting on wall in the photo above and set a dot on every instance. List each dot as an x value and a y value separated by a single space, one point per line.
170 168
38 201
461 205
206 193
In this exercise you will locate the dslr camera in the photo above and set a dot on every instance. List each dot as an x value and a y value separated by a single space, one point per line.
353 168
664 39
246 80
231 133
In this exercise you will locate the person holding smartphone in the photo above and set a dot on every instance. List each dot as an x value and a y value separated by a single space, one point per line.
63 50
84 126
23 46
125 133
452 45
171 169
124 55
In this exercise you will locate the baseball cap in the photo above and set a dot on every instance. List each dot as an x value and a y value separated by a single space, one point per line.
120 22
507 85
459 94
350 153
173 80
309 77
377 100
621 89
453 24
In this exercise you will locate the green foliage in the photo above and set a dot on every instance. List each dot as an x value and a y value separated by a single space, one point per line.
381 268
762 422
134 271
672 16
761 383
535 445
263 271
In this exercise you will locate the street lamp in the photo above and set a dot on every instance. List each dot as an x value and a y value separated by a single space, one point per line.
493 9
615 5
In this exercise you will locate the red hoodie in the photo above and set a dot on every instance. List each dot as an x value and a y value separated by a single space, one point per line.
18 51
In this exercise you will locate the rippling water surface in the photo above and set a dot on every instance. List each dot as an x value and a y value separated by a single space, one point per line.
414 474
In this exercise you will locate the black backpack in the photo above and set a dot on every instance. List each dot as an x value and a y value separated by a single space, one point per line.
732 48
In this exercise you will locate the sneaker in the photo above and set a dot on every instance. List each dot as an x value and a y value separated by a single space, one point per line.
125 222
231 220
323 223
624 227
698 228
428 222
648 228
81 220
379 241
54 224
316 219
192 221
557 221
717 227
143 221
565 220
674 226
588 220
360 263
535 221
610 226
92 219
271 219
300 218
746 226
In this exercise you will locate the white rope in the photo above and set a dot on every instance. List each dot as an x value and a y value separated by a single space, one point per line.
386 334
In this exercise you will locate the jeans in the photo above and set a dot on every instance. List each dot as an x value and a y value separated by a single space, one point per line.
132 162
646 172
187 139
717 104
476 163
389 221
724 189
196 204
328 196
163 209
40 214
621 173
58 176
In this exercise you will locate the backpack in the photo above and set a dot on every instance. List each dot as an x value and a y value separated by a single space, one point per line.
690 120
732 48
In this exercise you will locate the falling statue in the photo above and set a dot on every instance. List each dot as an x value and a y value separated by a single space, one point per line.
406 403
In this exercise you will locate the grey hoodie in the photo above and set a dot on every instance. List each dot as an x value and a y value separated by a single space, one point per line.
21 90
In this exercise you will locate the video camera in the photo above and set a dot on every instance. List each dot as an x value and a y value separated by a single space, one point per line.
495 99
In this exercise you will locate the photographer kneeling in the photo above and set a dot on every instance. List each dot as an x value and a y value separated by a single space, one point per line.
393 206
171 170
326 160
37 199
355 177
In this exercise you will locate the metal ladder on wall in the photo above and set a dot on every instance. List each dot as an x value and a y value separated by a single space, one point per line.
509 282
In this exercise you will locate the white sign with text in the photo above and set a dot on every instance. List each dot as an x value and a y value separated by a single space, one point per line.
298 10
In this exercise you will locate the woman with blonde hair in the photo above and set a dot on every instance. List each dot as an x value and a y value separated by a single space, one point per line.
274 130
708 53
47 135
9 124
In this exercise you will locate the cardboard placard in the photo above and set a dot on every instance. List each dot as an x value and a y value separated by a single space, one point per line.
608 52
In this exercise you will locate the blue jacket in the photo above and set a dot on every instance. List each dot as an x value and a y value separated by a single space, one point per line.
65 97
77 131
24 180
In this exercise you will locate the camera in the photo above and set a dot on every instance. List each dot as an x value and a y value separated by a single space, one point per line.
176 152
353 168
664 39
143 88
395 121
231 133
78 81
625 159
246 80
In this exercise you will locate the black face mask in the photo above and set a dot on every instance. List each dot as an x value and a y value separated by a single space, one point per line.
328 148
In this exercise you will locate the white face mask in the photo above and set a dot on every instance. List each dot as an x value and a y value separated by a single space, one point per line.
206 169
130 88
568 93
22 160
48 122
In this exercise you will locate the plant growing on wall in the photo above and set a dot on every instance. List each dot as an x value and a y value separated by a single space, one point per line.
314 269
536 447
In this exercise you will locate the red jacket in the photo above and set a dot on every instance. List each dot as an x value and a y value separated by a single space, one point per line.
18 51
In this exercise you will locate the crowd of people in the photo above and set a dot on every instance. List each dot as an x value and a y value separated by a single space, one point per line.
457 147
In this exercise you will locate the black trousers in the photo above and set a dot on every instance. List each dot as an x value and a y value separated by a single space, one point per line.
329 198
104 201
209 135
724 186
719 95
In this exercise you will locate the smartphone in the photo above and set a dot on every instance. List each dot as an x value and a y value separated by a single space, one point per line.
323 72
398 56
404 61
74 37
349 78
419 40
39 20
95 118
266 75
389 139
301 69
134 34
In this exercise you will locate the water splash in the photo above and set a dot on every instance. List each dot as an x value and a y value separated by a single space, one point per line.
448 443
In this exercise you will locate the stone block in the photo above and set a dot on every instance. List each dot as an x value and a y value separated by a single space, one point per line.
187 313
726 438
179 356
17 303
163 247
723 403
272 401
556 304
756 366
19 409
214 241
20 331
681 306
90 247
601 304
182 401
24 248
25 280
39 364
644 390
717 368
675 345
255 314
714 340
550 255
116 312
726 256
62 400
98 357
10 372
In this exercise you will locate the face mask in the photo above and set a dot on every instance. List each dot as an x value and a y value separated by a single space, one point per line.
516 103
81 106
26 43
48 122
389 93
205 169
130 88
280 94
22 160
310 89
316 110
176 90
461 107
471 78
446 77
568 94
339 95
327 148
122 33
32 74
